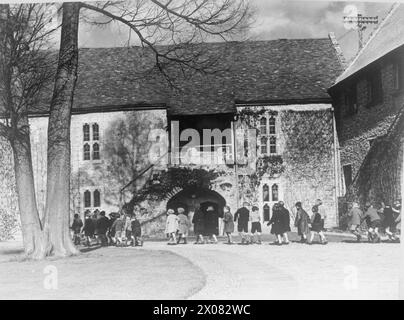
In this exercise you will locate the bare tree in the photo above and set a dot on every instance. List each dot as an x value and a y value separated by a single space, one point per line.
25 71
181 25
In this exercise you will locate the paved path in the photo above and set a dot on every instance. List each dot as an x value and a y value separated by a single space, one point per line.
296 271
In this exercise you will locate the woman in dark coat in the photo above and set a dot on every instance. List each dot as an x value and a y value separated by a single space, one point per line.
199 225
302 222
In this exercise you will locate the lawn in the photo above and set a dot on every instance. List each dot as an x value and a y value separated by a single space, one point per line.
107 273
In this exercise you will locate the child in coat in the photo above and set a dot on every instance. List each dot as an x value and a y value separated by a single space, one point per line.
183 225
171 226
256 229
354 220
317 224
136 231
119 228
302 222
228 224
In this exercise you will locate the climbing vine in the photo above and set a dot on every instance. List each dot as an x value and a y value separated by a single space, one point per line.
309 141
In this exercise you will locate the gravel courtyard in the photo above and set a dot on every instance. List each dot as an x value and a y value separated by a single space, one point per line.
339 270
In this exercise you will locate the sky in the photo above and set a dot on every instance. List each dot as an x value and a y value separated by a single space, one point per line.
274 19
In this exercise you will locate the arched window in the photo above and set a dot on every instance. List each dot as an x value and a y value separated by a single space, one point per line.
263 125
266 211
96 132
97 199
86 150
275 192
264 148
272 145
265 193
87 199
272 128
86 132
96 151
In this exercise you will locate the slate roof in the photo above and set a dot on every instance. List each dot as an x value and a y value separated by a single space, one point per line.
388 36
248 72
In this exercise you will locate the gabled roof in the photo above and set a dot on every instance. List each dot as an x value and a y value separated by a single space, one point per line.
388 36
248 72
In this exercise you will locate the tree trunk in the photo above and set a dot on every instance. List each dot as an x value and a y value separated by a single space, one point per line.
19 138
24 178
57 211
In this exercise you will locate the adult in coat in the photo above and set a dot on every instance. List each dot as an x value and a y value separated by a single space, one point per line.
228 224
199 225
302 222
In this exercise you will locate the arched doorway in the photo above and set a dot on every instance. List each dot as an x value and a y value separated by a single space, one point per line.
203 199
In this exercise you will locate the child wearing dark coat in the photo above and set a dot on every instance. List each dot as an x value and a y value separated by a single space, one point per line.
76 227
317 224
228 224
136 231
302 222
89 228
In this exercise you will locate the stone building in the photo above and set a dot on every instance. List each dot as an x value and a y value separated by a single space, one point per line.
260 129
368 98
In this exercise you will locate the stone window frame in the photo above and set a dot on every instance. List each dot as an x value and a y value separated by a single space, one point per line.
270 135
92 193
91 137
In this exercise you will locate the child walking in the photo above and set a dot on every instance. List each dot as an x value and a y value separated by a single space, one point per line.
228 224
76 227
172 226
242 216
136 231
183 225
354 220
317 224
277 222
373 221
302 222
256 229
119 228
199 225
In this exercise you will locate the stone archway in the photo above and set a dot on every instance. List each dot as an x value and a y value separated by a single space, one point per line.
195 198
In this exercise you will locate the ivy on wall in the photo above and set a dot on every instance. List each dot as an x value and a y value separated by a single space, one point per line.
8 197
309 142
379 178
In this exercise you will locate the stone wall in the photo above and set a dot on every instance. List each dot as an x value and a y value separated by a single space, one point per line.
358 131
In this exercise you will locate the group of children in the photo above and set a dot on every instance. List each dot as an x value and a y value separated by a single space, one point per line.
118 229
385 217
177 225
125 229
